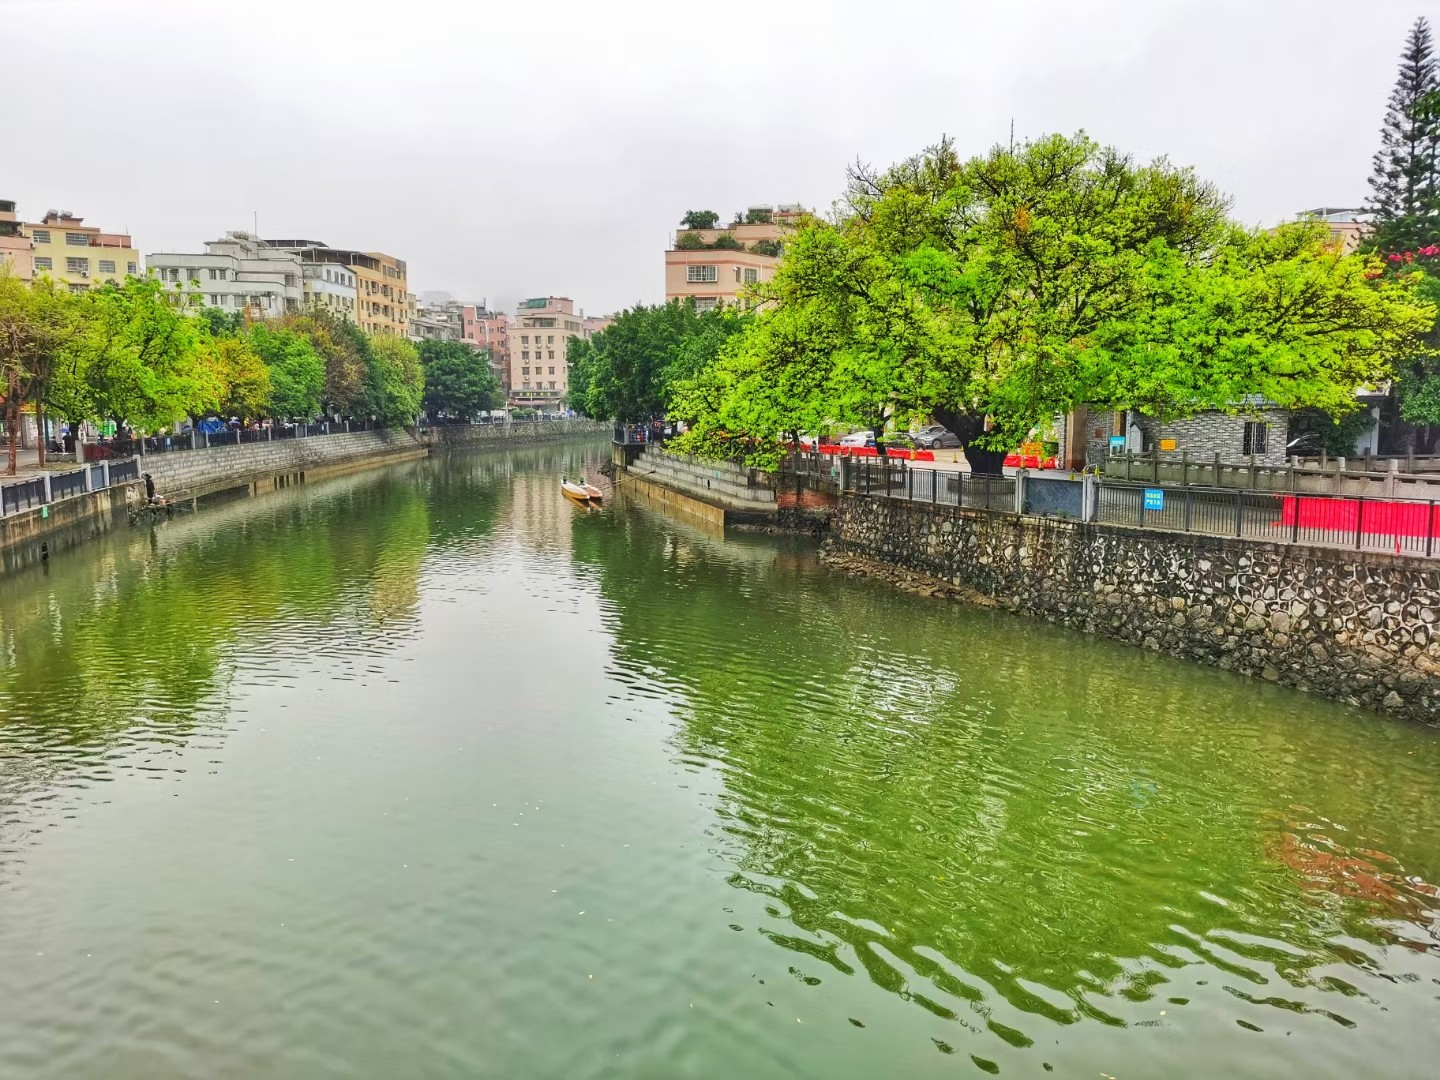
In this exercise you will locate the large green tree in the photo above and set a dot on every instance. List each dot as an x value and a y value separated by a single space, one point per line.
629 370
136 358
295 370
998 292
36 324
458 379
1405 183
394 381
344 350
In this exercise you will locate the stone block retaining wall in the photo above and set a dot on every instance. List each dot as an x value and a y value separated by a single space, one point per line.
1361 628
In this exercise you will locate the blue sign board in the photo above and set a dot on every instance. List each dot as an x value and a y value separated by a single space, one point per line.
1154 499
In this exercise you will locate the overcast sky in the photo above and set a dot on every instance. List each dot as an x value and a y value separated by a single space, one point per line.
511 150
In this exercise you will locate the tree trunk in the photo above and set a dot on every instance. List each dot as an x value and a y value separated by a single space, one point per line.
40 432
12 422
969 429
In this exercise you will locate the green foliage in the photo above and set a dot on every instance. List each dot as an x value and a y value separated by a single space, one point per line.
689 241
222 323
758 215
629 370
1405 184
1339 435
998 292
727 242
394 381
1417 383
700 219
239 375
296 371
458 379
136 358
767 247
344 350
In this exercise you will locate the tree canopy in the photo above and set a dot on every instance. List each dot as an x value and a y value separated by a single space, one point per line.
458 380
700 219
630 369
998 292
394 381
1405 183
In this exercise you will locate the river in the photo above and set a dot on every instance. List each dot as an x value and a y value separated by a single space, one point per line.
424 772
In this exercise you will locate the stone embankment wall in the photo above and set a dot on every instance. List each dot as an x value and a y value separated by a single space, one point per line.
1361 628
35 535
196 472
519 433
721 482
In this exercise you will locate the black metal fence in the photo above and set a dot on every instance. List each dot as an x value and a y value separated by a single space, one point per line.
1398 526
121 471
22 495
942 487
64 485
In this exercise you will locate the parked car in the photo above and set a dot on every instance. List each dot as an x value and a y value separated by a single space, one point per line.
1307 445
936 437
858 438
900 439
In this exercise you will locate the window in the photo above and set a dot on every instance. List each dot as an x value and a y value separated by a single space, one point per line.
107 266
1255 439
549 339
214 274
289 281
552 354
44 262
223 274
737 273
705 303
552 384
214 299
130 268
524 339
524 354
78 288
40 236
77 239
77 266
752 276
552 371
525 371
701 273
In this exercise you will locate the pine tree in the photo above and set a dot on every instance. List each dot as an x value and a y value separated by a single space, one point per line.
1405 186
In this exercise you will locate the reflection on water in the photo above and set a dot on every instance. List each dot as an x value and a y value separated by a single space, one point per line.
455 778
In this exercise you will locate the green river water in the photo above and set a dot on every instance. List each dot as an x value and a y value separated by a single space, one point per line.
424 772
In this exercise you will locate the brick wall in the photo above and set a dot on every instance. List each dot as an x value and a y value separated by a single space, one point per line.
193 471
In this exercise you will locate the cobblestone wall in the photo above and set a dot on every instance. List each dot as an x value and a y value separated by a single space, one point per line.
1363 629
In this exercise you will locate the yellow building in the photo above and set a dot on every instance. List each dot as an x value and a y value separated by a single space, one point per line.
383 303
80 255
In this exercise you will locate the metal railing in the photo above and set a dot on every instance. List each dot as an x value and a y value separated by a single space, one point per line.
941 487
1394 525
638 434
48 488
1397 526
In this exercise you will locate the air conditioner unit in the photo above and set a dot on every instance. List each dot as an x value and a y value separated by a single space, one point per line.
83 273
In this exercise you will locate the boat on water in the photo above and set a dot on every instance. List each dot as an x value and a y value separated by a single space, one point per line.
581 492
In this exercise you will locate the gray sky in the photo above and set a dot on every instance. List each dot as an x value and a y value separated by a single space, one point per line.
510 150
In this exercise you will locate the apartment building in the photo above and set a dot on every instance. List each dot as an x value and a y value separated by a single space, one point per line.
79 255
540 339
696 269
17 251
330 287
240 272
1347 225
486 329
436 321
383 304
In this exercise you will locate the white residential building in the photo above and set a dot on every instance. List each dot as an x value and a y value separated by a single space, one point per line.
331 287
238 273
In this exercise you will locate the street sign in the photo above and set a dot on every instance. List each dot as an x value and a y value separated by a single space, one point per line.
1154 499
